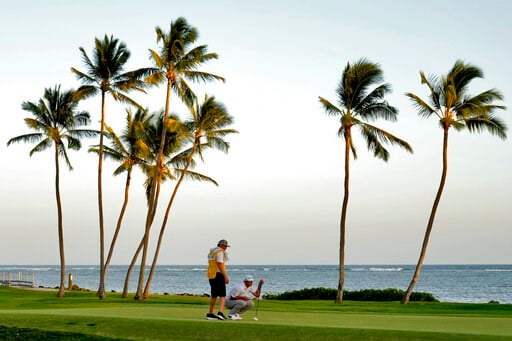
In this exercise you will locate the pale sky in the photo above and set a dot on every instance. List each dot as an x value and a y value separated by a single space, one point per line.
280 190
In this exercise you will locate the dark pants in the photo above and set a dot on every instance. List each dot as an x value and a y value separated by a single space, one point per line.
218 285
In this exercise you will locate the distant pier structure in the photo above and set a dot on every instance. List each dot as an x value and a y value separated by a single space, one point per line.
24 279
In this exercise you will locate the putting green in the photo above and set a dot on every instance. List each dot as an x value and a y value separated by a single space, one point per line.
473 325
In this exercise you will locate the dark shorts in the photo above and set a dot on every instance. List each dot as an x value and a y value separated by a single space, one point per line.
218 286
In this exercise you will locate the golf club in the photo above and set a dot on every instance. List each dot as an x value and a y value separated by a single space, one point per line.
260 284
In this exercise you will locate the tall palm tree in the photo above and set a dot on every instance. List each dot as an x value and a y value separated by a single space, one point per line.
207 126
56 121
176 63
105 73
361 99
453 106
129 149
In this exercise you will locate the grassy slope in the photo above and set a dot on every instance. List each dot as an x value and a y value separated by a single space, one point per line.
172 317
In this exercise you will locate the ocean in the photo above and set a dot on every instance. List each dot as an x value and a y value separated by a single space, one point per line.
448 283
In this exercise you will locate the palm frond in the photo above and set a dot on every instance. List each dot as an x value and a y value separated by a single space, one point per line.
424 110
197 76
64 155
84 92
378 110
492 124
184 92
83 77
374 136
156 78
43 145
26 138
73 143
196 176
330 109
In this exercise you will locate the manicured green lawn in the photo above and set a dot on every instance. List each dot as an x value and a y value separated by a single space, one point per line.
182 318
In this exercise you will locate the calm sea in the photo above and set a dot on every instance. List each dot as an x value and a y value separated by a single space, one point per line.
448 283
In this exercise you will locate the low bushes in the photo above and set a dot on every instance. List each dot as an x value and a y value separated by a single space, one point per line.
357 295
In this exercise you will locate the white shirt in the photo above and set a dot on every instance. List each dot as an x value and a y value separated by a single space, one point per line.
240 290
220 257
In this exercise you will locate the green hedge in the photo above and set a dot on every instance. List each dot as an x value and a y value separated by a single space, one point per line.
357 295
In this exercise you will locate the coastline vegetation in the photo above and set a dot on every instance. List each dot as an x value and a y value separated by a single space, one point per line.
376 295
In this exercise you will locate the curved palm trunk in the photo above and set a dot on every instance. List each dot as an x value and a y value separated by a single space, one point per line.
130 269
119 224
423 252
59 222
101 289
153 199
153 204
164 224
339 294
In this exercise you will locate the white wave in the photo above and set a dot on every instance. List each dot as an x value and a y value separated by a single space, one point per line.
183 269
19 269
385 269
86 268
498 270
358 269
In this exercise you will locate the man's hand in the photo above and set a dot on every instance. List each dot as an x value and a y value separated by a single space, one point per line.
226 279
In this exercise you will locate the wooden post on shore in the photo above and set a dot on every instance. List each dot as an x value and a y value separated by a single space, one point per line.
70 281
32 279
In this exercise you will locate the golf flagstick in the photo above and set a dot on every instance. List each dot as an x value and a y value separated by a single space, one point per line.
260 284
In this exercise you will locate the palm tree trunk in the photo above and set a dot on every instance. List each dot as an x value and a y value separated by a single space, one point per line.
430 224
119 223
134 260
152 202
130 268
164 223
60 228
339 294
101 289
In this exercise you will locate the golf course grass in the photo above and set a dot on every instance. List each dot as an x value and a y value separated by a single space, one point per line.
36 315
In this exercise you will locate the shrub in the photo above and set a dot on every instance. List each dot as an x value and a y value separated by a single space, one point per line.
321 293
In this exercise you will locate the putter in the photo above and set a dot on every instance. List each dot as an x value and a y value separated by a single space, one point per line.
260 284
257 306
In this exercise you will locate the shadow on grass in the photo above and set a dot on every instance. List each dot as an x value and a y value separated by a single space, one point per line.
12 333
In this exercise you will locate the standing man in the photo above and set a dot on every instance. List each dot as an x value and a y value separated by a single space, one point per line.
218 278
238 300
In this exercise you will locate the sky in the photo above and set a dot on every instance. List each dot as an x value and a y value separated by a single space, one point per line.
281 184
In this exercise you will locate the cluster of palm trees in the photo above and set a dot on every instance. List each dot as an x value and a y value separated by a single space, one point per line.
361 93
164 147
161 144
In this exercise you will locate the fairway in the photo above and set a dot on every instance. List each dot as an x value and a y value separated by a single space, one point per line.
176 317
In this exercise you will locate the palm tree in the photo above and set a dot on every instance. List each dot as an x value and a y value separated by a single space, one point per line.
105 73
55 122
157 172
207 126
361 98
129 150
176 63
454 107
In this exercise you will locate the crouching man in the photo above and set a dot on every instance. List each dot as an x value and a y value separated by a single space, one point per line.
239 301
